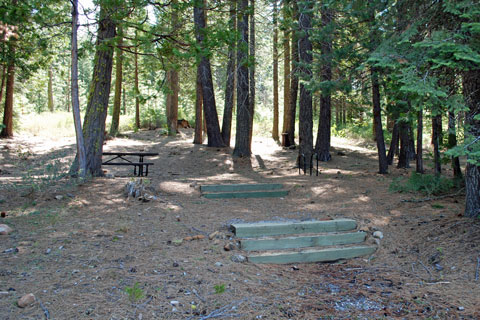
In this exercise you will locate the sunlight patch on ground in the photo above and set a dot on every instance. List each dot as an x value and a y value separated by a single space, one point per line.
350 144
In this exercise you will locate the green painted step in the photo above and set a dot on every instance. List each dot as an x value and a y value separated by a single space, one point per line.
261 229
302 242
240 187
325 255
253 194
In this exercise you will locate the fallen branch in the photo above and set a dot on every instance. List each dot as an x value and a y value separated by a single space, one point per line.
45 310
224 311
434 198
477 268
431 275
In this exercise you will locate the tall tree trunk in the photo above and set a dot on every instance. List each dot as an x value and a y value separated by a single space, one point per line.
452 143
68 96
242 143
382 157
50 90
436 122
208 94
172 102
322 146
419 158
97 105
137 90
7 131
2 84
275 72
471 92
293 81
286 77
404 156
172 81
124 107
81 156
118 85
305 57
230 85
198 138
251 72
394 143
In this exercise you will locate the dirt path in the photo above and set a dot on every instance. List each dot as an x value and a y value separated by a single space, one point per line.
81 249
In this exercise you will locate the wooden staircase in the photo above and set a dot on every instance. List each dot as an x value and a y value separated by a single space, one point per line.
302 242
232 191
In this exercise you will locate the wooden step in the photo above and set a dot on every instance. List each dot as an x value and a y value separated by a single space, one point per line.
240 187
252 194
324 255
331 239
261 229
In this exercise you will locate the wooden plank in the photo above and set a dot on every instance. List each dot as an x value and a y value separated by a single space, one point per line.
325 255
240 187
332 239
250 230
253 194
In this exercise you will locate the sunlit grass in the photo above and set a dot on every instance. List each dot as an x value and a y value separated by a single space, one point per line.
60 124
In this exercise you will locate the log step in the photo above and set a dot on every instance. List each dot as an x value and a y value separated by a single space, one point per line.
261 229
324 255
252 194
240 187
302 241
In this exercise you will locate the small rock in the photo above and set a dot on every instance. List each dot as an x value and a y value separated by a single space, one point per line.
175 264
188 239
238 258
26 300
378 234
175 303
4 229
174 309
59 197
218 264
199 237
461 308
213 235
48 251
438 267
228 247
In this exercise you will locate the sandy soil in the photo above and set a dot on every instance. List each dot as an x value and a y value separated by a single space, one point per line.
80 249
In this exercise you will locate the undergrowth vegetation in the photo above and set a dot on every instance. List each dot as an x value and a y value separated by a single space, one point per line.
424 183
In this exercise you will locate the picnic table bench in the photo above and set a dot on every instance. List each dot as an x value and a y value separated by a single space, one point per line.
122 160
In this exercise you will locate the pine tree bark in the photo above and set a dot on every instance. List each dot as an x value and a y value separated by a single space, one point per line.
293 81
382 157
81 156
97 105
275 72
419 158
2 84
50 90
286 77
322 146
118 85
471 92
198 138
305 58
404 156
393 144
208 94
137 89
436 122
230 85
7 131
452 142
172 81
242 143
251 72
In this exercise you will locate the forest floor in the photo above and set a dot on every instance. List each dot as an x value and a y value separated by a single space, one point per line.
88 252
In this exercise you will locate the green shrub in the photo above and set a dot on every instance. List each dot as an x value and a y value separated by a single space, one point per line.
424 183
135 293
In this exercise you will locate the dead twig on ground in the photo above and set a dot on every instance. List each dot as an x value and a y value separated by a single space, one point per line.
434 198
198 296
477 268
431 275
45 310
224 311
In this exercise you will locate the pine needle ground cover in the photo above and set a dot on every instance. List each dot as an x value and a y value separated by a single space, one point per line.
86 251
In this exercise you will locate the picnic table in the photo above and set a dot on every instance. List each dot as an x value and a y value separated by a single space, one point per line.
124 159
